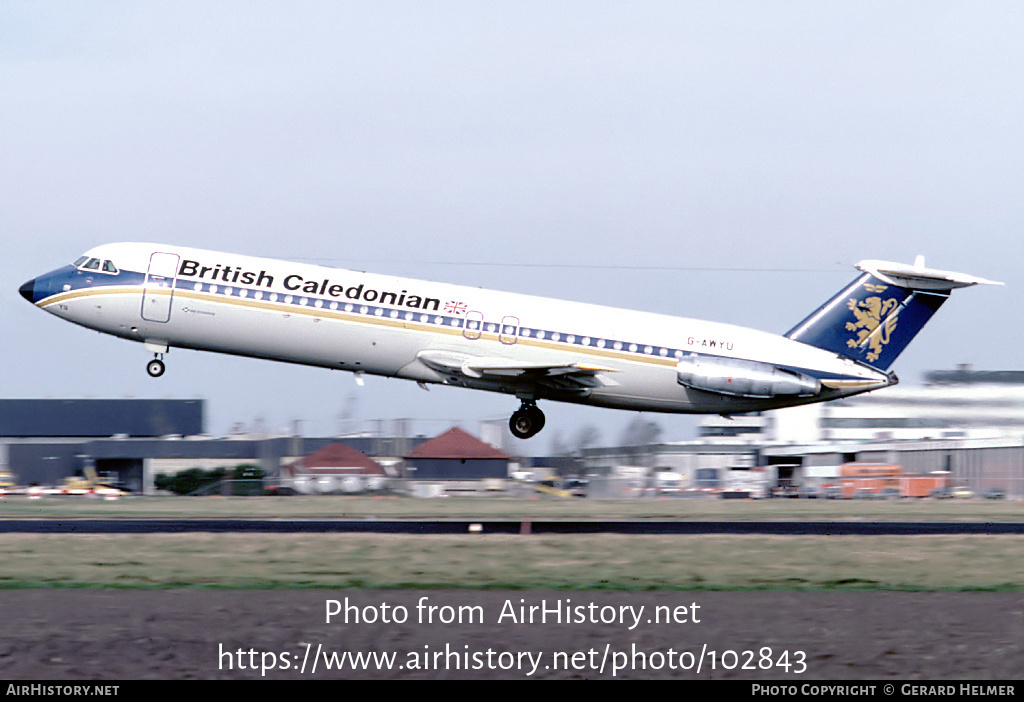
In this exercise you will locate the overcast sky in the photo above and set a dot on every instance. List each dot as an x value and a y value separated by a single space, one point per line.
726 161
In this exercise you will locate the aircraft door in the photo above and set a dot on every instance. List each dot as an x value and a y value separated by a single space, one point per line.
473 327
158 290
509 330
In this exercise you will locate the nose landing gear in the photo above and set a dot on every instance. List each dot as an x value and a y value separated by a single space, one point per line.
156 367
526 421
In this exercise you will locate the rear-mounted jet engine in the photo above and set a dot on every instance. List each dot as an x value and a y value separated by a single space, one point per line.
731 376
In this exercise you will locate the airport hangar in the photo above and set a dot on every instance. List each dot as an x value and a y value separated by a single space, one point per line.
42 442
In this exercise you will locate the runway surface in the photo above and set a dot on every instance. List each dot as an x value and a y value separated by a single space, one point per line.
465 526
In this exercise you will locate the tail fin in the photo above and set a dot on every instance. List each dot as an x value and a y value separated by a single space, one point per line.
874 318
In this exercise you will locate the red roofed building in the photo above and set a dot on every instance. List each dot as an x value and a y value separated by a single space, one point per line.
456 455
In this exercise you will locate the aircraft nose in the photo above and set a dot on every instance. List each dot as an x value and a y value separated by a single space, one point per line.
27 290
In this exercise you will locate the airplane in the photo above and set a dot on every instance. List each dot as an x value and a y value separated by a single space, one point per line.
534 348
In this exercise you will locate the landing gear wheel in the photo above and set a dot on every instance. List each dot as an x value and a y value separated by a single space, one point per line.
526 421
155 368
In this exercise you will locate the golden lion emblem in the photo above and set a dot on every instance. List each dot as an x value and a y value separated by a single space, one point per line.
873 324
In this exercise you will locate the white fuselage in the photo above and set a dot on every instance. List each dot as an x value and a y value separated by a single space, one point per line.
168 296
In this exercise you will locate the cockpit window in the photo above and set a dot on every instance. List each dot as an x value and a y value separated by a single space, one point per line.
87 263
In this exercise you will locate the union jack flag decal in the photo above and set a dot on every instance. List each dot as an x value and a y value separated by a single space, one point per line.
456 307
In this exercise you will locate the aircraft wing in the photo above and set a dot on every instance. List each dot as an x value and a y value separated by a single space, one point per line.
555 374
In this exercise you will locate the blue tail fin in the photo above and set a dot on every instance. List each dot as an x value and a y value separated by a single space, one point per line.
874 318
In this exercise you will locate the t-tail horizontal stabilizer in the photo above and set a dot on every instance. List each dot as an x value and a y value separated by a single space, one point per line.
874 318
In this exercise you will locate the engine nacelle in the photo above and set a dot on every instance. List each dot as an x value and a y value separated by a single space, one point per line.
731 376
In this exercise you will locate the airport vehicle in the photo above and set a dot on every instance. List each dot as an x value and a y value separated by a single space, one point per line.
533 348
90 483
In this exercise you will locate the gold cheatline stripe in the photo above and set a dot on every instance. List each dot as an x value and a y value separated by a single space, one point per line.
361 319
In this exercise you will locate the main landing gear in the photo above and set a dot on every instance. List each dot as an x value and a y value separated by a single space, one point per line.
156 367
526 421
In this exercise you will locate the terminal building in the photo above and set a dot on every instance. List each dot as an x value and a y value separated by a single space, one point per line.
963 424
957 404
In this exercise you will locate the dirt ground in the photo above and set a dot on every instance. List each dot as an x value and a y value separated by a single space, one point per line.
786 636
